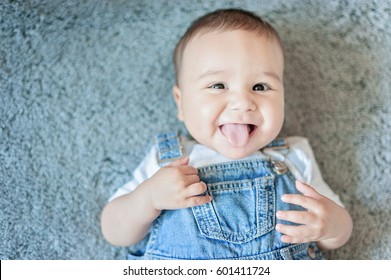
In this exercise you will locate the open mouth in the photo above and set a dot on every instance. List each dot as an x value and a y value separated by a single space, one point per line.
237 135
251 128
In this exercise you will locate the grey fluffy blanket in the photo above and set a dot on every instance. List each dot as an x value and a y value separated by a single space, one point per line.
84 85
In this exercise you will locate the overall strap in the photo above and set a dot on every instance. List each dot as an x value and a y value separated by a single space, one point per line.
169 147
276 151
277 144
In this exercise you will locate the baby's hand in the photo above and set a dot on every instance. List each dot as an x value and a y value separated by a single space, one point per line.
177 185
321 222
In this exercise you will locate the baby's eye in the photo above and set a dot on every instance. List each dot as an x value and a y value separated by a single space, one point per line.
261 87
217 86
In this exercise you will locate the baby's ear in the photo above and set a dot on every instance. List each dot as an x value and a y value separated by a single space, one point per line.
178 100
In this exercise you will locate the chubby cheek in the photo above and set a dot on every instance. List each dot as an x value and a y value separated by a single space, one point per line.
200 117
273 116
190 112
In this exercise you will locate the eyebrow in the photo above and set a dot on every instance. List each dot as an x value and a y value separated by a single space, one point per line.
216 72
210 73
271 74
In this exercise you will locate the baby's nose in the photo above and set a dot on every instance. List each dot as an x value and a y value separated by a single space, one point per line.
242 102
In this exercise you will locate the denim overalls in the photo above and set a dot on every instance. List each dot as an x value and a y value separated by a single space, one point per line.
240 221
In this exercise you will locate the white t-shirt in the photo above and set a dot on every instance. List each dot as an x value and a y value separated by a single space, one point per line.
299 158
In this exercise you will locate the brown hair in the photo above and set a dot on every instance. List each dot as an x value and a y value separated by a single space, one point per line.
227 19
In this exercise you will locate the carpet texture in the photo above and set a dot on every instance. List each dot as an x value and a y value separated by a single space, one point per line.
84 85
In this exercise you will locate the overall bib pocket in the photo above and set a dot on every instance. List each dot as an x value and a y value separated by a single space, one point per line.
240 211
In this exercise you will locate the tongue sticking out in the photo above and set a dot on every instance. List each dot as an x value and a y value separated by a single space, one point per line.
236 134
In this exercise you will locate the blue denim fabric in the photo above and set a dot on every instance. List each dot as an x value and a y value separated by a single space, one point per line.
239 223
169 147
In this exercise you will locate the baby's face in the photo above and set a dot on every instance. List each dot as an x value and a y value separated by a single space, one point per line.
231 94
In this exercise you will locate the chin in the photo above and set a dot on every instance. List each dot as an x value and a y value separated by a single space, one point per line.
236 153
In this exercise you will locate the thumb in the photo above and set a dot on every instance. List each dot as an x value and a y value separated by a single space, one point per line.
180 162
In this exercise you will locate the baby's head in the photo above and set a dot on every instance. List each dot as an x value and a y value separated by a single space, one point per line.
229 82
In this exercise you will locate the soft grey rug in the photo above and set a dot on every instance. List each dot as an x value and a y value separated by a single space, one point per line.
84 85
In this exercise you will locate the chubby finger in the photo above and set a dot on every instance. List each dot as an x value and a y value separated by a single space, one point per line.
198 200
293 234
188 180
306 189
188 170
298 217
293 240
299 199
180 162
195 189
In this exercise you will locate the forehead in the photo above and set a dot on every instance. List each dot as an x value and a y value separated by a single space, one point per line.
206 38
234 45
258 31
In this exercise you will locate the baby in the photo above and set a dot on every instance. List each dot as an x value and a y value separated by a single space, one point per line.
232 190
